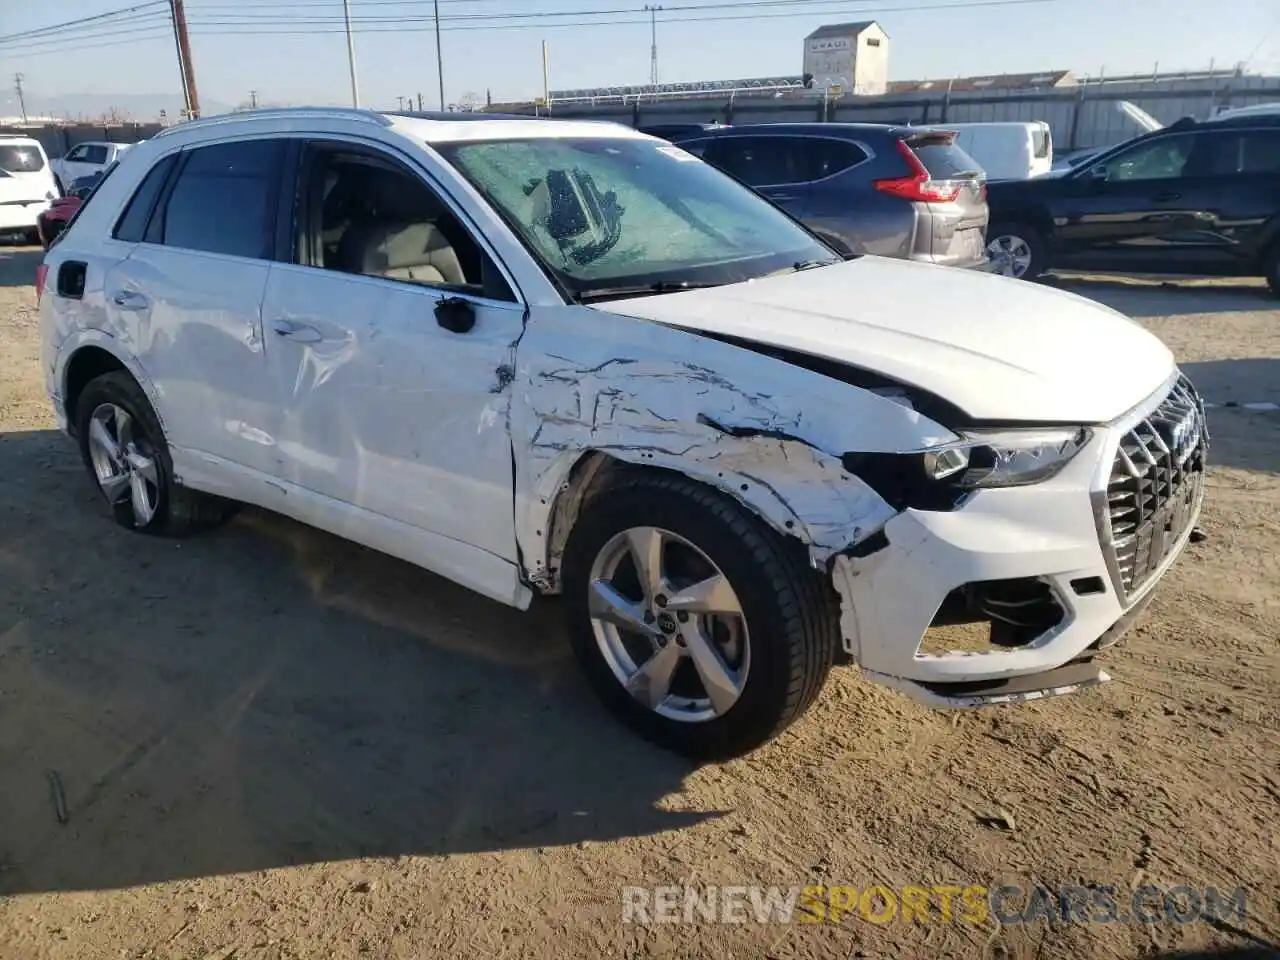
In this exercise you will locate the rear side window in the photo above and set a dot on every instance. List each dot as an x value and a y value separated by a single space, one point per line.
223 200
133 223
1040 140
95 153
942 157
20 158
1250 151
825 158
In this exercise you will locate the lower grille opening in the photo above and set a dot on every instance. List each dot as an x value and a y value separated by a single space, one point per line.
992 616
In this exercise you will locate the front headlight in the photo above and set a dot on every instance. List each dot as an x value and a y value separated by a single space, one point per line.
1009 458
940 478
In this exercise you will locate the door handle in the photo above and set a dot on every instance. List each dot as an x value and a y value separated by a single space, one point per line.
130 300
1167 195
300 332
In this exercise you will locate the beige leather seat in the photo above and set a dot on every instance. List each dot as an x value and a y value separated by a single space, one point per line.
400 251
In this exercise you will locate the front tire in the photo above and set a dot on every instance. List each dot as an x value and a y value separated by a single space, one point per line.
698 625
124 449
1017 250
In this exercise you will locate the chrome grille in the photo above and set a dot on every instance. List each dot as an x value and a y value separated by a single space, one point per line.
1155 488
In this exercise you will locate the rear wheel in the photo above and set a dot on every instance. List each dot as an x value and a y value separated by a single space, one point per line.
124 449
1271 268
1016 250
696 624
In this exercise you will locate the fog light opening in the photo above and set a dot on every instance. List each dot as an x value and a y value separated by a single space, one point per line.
992 616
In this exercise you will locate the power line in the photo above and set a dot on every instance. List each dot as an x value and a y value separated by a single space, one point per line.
398 26
59 43
83 20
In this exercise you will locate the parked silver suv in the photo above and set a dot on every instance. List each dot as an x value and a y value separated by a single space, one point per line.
863 187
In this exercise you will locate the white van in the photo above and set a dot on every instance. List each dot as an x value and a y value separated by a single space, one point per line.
26 184
1007 151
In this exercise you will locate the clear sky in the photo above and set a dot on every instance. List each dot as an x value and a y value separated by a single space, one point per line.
296 51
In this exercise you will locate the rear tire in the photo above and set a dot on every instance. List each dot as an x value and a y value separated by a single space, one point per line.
1017 249
778 658
1271 268
124 449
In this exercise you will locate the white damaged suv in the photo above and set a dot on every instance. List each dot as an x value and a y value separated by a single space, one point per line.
565 358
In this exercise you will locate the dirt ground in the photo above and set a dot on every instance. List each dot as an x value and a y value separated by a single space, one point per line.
273 744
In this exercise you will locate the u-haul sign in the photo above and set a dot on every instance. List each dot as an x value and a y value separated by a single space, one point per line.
827 44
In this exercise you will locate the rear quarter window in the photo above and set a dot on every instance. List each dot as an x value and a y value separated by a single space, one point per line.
132 226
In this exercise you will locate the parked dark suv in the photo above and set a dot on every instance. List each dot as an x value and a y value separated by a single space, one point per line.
1192 198
864 188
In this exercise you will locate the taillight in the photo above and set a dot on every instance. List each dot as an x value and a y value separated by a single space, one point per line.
918 186
42 272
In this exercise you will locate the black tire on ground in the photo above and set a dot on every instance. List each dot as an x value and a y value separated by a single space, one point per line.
1271 268
179 511
792 613
1033 239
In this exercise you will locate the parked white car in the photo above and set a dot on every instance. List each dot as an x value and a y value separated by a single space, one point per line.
26 185
557 357
86 159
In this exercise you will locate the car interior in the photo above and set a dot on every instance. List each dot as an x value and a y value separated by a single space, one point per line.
378 221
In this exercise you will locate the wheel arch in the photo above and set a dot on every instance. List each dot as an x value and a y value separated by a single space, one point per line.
797 491
94 354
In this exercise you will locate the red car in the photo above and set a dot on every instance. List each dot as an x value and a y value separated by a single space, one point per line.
53 221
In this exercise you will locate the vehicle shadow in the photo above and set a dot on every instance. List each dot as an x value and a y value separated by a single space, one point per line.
1239 435
1160 298
18 264
266 695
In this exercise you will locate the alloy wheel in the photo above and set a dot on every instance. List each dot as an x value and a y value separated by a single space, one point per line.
1011 254
669 624
124 463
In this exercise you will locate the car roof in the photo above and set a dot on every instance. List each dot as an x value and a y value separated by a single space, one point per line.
425 127
836 130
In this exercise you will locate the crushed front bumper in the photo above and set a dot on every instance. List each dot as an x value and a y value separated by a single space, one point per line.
1093 542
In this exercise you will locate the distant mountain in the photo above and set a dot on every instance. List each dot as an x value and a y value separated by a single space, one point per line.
143 107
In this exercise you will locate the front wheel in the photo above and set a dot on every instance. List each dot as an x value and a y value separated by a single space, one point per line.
697 624
1016 250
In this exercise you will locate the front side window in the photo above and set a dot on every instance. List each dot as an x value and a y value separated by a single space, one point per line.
222 201
368 215
631 215
1162 159
76 154
759 161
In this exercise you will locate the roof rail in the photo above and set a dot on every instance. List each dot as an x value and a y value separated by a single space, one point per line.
269 113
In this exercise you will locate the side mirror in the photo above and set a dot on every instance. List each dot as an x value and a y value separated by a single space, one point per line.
456 314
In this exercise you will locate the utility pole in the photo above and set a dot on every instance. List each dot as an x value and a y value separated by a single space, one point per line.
351 54
22 103
420 103
652 10
192 97
253 99
400 104
439 56
546 78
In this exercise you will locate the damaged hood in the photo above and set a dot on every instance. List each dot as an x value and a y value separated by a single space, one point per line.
998 349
